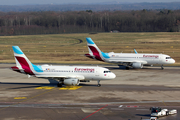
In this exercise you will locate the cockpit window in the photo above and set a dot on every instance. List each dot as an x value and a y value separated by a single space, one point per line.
168 58
107 71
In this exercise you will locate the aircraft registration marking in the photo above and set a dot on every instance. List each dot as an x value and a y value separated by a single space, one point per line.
70 88
20 98
45 87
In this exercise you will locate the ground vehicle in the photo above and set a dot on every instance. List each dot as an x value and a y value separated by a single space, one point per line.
153 118
157 112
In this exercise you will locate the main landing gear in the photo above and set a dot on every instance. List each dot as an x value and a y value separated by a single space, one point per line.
162 67
122 66
127 68
98 83
59 85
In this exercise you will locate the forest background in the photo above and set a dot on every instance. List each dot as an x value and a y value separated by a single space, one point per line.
146 30
56 22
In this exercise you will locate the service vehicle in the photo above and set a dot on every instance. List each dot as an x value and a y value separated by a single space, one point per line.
153 118
157 112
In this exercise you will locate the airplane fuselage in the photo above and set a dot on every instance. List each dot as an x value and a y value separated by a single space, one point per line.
78 72
143 58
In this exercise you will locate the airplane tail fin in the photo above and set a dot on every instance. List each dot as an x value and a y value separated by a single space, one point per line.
23 64
94 51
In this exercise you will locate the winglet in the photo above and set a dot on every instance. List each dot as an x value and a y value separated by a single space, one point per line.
135 51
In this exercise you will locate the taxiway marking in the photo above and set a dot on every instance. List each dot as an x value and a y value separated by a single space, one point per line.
27 99
70 88
45 87
62 88
120 105
20 98
132 106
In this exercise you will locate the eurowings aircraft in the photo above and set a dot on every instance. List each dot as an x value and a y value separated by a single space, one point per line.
134 60
68 75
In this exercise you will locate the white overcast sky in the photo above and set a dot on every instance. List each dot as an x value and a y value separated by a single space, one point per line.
25 2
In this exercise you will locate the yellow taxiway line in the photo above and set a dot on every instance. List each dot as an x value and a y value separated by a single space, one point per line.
27 99
70 88
45 87
62 88
20 98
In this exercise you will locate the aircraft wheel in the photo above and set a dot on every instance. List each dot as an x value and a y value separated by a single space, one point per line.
98 83
167 113
162 67
127 68
59 85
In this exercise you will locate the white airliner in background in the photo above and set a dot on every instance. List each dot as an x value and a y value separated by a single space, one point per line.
134 60
68 75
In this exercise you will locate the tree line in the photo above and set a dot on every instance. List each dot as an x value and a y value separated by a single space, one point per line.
50 22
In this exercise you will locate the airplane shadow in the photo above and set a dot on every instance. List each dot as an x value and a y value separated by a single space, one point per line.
116 68
124 68
81 84
35 85
30 85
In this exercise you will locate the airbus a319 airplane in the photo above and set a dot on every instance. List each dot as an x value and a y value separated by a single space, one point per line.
68 75
134 60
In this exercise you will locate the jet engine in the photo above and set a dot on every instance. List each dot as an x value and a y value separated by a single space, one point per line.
137 65
71 81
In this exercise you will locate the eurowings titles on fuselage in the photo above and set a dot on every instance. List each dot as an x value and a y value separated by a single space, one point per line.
134 60
68 75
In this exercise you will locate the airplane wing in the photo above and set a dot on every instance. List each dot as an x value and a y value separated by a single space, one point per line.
55 76
127 61
80 77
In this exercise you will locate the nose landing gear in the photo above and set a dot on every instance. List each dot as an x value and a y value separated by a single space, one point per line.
162 67
98 83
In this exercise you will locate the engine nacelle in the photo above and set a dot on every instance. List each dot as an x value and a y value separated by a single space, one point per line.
71 81
137 65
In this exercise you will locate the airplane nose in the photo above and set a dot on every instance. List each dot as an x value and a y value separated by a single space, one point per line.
113 76
174 61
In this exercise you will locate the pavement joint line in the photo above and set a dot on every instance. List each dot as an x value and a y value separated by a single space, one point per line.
117 109
103 103
27 99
